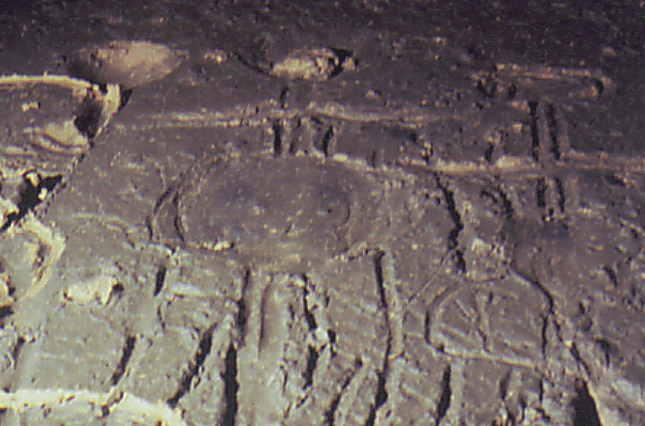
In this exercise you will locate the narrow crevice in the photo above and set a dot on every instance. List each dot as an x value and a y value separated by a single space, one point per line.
585 412
242 315
312 360
326 141
576 355
460 262
329 414
562 199
309 316
160 317
611 274
331 410
203 350
231 387
160 278
535 135
168 213
545 318
544 292
446 395
503 385
277 139
509 212
512 91
265 333
30 197
166 194
488 154
607 349
283 96
453 236
126 94
381 393
375 159
128 348
15 351
378 272
426 327
544 332
553 131
540 192
297 137
454 214
178 229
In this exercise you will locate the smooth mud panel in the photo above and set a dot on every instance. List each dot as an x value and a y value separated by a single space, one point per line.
276 213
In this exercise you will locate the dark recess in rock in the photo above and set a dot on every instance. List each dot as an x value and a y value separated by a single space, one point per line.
607 348
241 306
535 136
312 359
126 94
503 385
332 336
512 92
342 55
584 407
553 132
378 270
5 312
453 237
446 394
231 387
540 195
29 197
128 348
15 352
277 139
203 350
309 316
283 96
329 413
324 143
159 279
381 393
88 117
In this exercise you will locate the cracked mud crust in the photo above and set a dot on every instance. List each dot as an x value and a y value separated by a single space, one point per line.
333 213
